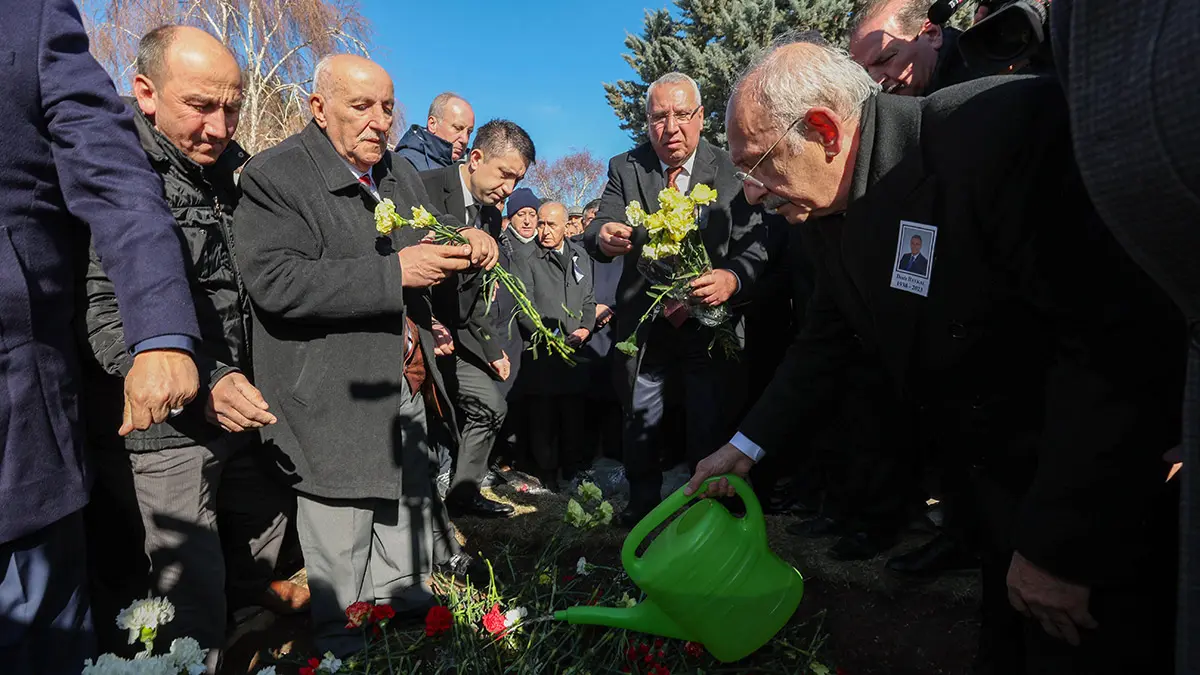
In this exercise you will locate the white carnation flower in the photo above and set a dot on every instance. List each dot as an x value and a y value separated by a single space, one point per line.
329 664
581 567
148 613
186 652
514 616
269 670
106 664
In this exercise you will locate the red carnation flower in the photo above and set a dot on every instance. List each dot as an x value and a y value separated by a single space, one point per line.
314 662
307 671
493 621
356 614
382 613
438 621
694 649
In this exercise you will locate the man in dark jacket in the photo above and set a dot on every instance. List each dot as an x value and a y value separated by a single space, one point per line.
903 50
559 273
70 155
444 138
713 385
470 354
1017 346
179 482
341 342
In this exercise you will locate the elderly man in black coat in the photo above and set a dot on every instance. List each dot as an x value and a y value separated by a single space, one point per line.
713 385
559 274
341 343
1032 342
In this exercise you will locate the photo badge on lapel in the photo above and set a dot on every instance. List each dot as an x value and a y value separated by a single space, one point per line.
914 258
575 268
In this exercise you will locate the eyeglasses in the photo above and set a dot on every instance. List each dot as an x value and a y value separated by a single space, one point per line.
681 118
745 176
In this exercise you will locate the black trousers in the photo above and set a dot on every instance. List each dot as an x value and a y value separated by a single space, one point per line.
1135 617
713 390
558 436
480 410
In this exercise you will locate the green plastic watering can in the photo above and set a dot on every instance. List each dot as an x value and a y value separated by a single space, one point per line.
708 577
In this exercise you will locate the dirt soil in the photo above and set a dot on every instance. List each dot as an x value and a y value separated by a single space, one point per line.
877 623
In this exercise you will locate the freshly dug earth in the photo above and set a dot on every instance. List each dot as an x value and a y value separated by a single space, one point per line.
875 623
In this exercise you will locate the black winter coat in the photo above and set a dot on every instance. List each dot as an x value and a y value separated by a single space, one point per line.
202 201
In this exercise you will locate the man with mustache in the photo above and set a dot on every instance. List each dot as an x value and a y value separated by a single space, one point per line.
1014 347
677 157
470 352
341 343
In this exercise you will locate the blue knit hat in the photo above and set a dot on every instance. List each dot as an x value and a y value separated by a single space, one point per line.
519 199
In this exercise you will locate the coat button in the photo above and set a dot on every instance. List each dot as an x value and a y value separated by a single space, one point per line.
958 331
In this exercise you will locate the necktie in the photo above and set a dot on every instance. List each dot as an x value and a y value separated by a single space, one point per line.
673 174
472 214
365 179
911 259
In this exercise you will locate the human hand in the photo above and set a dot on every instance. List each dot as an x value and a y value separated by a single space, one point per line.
604 314
615 239
484 249
726 460
578 337
502 366
423 265
1059 605
236 405
443 341
714 288
161 380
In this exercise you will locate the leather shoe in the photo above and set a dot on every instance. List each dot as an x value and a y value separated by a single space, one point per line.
939 555
821 526
477 505
860 546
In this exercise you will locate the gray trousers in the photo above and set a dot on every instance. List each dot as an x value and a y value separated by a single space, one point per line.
213 523
480 411
374 550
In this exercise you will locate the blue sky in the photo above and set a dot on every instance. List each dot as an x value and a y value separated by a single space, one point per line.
540 63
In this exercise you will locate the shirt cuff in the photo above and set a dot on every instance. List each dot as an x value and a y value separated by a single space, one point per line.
180 342
747 447
739 281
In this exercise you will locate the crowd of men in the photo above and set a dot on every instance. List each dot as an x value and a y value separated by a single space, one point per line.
928 301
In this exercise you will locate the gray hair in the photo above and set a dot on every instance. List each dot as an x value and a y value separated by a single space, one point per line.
320 79
152 51
788 87
438 107
672 78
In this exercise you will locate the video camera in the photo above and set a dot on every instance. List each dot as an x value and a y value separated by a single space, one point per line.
1012 33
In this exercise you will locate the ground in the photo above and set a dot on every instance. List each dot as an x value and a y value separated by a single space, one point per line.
873 622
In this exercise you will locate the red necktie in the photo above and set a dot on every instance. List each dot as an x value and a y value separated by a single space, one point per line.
365 179
672 174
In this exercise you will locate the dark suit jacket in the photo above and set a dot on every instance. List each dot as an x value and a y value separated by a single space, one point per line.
459 302
69 154
729 228
329 309
920 266
1041 348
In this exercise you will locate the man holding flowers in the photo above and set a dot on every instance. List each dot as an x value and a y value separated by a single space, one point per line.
675 157
342 340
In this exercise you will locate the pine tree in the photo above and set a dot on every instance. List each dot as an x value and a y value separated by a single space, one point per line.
713 40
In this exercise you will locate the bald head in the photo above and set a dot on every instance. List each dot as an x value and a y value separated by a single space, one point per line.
552 224
452 119
353 101
190 86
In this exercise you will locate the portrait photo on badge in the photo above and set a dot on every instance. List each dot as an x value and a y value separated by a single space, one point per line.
914 250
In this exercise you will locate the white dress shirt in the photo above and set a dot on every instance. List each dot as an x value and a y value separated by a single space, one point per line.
684 180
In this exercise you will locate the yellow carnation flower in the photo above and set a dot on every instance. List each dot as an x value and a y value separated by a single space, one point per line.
703 194
422 218
385 216
635 215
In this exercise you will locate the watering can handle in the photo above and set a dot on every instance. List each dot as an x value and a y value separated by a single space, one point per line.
673 503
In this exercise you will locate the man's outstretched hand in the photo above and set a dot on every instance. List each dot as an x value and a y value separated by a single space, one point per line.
726 460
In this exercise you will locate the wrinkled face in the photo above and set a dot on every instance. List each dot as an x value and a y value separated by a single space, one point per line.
799 180
492 179
356 112
552 226
574 225
195 100
675 121
525 222
588 216
455 126
903 64
915 246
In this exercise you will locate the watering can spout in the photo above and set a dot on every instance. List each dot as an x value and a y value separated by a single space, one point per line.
644 617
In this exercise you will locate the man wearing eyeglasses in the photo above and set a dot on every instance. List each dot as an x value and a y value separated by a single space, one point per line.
713 386
1014 347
